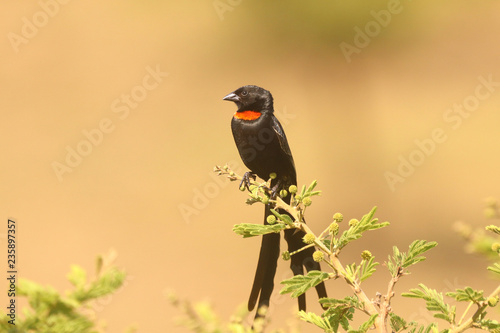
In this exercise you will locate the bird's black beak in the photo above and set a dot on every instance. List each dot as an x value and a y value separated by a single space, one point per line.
232 97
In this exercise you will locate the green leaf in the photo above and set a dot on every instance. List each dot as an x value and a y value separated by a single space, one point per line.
350 272
339 316
494 229
285 218
312 186
340 311
249 230
467 295
205 312
495 268
309 192
348 302
397 323
490 325
415 250
406 259
434 302
107 283
354 232
367 268
299 284
413 325
313 318
303 191
361 272
77 276
366 325
52 311
251 201
415 328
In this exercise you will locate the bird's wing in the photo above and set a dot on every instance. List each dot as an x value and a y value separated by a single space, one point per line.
281 137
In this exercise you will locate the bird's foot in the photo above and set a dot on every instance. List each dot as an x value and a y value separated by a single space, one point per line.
245 181
275 190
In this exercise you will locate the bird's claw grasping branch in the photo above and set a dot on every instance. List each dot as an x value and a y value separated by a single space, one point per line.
245 181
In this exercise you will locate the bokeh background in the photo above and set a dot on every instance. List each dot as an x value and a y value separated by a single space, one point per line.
146 189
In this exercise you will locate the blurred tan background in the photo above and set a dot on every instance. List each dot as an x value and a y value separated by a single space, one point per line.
349 120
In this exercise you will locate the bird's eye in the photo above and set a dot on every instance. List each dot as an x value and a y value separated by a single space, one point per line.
244 93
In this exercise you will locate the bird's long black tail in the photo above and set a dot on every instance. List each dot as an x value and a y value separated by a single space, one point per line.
263 282
302 259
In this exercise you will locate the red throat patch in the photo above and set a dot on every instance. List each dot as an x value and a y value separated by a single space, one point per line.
247 115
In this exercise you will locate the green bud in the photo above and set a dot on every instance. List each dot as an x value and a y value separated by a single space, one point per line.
318 256
285 255
492 301
495 247
366 255
271 219
307 201
273 175
283 193
262 311
232 174
242 187
292 189
264 199
252 187
333 229
353 222
308 238
338 217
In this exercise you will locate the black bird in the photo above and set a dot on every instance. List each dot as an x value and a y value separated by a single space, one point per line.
264 149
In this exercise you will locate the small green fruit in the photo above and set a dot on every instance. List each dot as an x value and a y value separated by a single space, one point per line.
308 238
493 301
318 256
333 229
271 219
366 255
338 217
353 222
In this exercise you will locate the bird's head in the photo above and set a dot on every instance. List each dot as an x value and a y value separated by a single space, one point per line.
251 98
